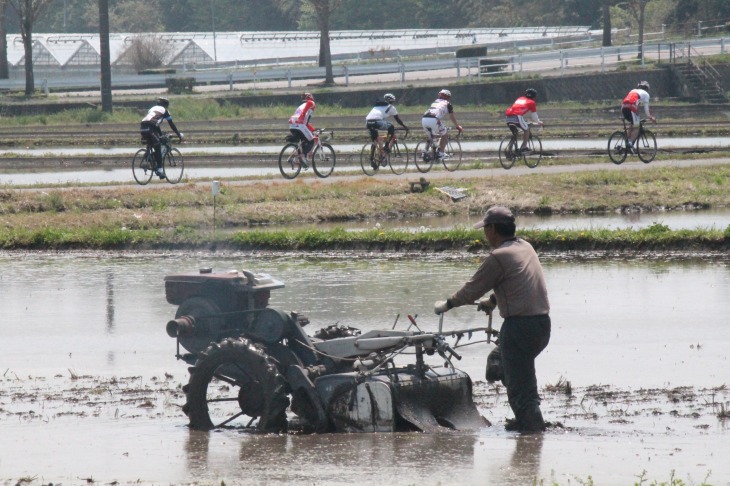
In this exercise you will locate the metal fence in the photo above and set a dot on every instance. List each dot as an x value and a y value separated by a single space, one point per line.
514 58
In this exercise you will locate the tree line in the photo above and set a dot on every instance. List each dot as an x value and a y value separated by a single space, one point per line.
81 16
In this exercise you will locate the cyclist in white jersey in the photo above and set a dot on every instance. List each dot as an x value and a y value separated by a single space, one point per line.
431 120
150 130
377 119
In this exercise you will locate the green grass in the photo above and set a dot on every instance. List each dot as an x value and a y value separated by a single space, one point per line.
208 108
654 238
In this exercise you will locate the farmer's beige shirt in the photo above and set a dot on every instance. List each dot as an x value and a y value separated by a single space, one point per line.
514 273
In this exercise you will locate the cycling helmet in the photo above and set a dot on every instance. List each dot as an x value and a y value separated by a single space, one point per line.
163 102
389 97
643 85
531 93
307 96
444 93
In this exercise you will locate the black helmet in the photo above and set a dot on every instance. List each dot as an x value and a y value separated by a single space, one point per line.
643 85
163 102
531 93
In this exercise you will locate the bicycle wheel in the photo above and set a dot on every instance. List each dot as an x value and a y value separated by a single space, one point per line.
534 156
143 166
452 155
323 160
399 158
289 164
423 157
617 143
366 159
646 146
173 166
507 151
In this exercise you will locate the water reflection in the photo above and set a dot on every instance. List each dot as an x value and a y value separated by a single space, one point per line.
109 302
334 458
525 462
81 312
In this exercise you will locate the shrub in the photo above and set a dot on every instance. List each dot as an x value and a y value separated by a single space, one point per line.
147 52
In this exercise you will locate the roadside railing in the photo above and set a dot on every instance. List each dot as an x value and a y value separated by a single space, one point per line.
527 59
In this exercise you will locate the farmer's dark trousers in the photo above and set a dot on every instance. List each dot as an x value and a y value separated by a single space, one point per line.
521 339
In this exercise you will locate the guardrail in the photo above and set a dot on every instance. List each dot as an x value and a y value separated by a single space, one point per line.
529 57
597 58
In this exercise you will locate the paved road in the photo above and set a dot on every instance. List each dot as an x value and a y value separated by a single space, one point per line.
440 175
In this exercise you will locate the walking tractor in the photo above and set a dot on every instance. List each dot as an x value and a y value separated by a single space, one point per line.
255 366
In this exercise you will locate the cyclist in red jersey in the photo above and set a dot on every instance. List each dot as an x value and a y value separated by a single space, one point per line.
630 109
515 116
299 123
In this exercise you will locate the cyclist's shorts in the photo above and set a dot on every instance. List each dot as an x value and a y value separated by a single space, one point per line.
150 132
630 115
433 126
303 129
375 125
517 121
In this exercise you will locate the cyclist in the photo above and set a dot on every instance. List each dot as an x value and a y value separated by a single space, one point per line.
151 132
515 116
630 109
431 120
377 119
300 126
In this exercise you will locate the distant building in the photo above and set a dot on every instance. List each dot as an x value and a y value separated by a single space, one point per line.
79 52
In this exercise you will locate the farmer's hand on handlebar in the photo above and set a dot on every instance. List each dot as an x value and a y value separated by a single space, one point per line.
487 304
441 306
180 136
460 128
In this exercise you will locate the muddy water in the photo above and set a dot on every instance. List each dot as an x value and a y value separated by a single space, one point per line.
83 338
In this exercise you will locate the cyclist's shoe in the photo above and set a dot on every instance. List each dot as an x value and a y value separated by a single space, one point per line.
386 149
383 161
160 174
440 155
373 164
300 161
425 156
525 151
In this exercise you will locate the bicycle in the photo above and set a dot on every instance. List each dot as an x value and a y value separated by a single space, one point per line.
374 156
425 153
509 152
144 164
292 160
644 145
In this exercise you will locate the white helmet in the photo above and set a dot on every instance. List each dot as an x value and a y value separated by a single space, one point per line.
643 85
445 93
389 97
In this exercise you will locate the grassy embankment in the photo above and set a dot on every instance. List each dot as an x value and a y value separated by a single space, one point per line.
182 216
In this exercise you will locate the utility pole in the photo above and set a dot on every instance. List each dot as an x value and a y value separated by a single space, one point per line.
106 70
212 25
